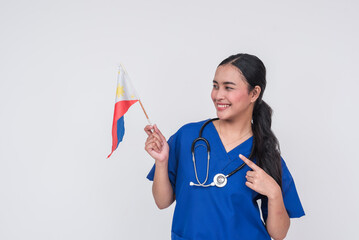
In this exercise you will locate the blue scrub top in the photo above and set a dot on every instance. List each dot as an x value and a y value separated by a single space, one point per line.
230 212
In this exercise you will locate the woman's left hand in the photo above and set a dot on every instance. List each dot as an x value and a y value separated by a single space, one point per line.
259 181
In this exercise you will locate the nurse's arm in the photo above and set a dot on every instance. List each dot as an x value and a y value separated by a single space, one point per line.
161 188
278 221
158 148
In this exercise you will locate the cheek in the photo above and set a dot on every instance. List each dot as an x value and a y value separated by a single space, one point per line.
213 95
241 97
238 96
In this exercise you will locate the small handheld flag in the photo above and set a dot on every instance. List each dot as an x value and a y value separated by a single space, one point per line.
126 96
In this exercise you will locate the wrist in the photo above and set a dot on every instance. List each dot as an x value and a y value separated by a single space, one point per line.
161 164
275 194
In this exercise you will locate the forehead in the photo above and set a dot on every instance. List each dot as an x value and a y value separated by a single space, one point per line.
229 73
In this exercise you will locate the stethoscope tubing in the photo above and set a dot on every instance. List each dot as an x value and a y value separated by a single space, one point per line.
223 178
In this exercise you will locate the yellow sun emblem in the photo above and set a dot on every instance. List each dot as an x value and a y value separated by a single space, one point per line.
119 91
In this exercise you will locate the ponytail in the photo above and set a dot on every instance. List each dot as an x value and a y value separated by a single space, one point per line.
266 148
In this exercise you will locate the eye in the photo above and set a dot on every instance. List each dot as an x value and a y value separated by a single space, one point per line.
215 86
229 88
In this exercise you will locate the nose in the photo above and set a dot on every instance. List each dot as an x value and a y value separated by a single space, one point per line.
220 94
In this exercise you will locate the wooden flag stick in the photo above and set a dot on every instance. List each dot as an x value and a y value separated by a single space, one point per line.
148 119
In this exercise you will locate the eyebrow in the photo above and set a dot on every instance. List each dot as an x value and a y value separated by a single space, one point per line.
214 81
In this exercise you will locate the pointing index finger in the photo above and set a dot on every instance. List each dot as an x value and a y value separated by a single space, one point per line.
248 162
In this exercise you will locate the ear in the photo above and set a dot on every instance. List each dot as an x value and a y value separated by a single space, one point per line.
255 93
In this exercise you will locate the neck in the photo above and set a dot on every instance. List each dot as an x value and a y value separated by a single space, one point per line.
236 128
233 133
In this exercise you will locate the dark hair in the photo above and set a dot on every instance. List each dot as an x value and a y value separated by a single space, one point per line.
265 148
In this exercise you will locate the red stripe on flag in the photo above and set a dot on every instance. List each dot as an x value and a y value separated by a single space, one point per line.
121 108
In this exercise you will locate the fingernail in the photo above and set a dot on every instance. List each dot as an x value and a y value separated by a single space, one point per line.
240 155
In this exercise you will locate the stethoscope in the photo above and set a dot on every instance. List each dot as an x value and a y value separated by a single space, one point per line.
219 180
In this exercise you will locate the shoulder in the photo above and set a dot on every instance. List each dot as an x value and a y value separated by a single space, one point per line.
185 134
192 126
284 166
189 129
286 175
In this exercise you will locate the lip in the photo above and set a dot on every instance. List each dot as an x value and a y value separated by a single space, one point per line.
222 108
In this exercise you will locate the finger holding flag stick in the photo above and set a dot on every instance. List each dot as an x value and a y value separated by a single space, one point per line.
126 96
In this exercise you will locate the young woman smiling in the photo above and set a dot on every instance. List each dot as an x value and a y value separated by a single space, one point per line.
239 138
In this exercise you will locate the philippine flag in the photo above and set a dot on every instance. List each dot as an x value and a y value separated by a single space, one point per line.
125 97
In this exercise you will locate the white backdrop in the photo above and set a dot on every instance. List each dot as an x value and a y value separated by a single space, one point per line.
58 66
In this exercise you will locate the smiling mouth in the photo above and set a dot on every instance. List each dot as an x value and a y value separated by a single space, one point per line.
223 106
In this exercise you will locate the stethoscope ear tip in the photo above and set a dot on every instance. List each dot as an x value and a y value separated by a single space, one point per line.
191 183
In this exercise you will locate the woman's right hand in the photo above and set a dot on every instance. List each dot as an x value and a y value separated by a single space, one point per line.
156 144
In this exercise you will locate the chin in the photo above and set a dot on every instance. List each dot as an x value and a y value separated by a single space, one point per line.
225 117
222 116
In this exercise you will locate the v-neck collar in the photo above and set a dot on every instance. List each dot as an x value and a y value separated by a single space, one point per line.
244 147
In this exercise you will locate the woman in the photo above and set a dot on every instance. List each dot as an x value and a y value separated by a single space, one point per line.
241 134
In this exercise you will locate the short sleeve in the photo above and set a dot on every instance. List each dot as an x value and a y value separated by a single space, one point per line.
290 196
172 162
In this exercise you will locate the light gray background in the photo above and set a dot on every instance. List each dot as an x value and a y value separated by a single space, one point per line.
58 62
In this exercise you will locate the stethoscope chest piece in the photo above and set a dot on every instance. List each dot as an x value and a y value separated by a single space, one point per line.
220 180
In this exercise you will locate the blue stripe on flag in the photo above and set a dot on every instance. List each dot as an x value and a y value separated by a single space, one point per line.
120 129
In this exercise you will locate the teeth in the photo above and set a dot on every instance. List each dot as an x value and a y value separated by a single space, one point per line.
220 105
